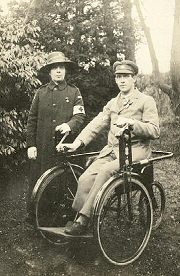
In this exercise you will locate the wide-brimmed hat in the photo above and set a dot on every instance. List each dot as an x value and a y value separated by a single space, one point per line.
54 58
125 67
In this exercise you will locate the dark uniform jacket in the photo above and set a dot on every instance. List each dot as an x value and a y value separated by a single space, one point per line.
52 105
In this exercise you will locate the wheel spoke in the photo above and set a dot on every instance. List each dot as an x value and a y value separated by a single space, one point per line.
124 221
54 201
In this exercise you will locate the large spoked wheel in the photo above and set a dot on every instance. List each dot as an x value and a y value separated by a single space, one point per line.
54 198
123 221
158 202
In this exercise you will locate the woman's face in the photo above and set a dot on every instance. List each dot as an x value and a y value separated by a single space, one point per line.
57 72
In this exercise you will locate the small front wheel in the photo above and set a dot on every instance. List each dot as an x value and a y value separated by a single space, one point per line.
123 220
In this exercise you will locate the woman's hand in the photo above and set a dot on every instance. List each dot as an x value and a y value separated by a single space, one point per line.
32 153
71 147
63 128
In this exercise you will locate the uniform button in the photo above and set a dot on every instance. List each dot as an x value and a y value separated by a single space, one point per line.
54 104
55 88
54 121
53 137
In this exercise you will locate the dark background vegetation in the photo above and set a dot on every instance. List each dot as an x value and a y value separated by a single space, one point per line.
93 35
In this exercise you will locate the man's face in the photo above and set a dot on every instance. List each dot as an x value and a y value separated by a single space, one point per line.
57 72
125 82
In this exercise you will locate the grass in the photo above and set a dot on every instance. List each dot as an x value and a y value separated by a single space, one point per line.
169 138
26 253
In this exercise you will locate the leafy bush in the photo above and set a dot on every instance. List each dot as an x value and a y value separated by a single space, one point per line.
13 131
21 56
92 35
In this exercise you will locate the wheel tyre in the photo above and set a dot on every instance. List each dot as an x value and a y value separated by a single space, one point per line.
53 201
116 231
158 204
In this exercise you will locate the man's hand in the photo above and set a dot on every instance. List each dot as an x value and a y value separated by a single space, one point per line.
71 147
122 121
63 128
32 153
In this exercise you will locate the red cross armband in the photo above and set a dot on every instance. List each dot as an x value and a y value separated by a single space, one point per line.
78 109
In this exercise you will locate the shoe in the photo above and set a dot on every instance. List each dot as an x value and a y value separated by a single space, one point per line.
75 229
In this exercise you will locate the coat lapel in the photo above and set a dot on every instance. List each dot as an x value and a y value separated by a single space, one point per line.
129 102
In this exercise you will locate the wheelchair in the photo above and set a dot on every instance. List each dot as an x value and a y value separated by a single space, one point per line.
126 209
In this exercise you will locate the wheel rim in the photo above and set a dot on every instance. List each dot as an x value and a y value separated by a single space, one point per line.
158 203
122 235
54 203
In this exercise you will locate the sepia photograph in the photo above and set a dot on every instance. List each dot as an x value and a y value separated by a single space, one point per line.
89 137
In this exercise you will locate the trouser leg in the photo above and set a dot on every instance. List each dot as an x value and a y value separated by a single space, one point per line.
91 181
106 171
96 175
86 181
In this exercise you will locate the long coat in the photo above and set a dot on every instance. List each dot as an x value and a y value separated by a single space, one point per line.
141 108
52 105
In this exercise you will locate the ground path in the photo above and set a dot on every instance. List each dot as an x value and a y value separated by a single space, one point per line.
23 252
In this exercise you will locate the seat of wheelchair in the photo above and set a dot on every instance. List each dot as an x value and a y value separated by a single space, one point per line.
59 231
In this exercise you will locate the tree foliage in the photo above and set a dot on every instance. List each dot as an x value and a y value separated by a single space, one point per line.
92 33
21 55
172 89
86 30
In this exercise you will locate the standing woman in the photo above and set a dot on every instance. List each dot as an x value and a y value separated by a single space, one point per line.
56 106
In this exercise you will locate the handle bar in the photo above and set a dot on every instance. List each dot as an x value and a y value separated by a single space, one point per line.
62 139
164 155
125 132
126 128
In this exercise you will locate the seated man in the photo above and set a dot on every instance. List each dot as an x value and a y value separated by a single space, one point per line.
129 107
